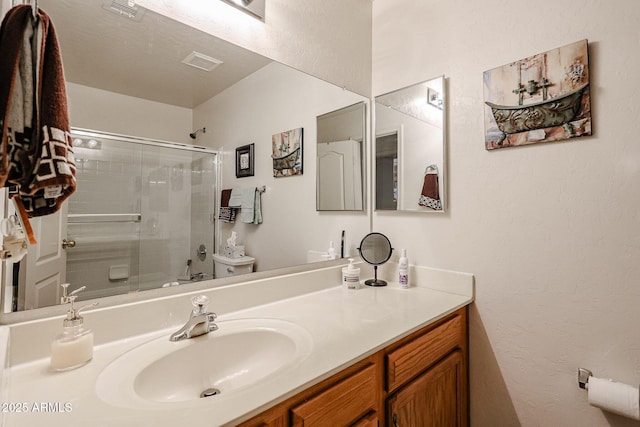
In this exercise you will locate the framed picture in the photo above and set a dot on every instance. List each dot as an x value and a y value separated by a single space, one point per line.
244 161
541 98
287 153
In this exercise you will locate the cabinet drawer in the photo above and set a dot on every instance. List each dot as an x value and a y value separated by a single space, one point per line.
342 404
412 358
371 420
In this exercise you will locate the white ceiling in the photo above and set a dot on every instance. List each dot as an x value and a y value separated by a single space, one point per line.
143 59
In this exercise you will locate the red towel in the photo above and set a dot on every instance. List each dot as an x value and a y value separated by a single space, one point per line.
430 194
430 186
38 158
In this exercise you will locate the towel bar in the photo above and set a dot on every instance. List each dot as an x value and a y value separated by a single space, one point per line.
89 218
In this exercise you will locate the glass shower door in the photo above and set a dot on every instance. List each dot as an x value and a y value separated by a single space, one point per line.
177 230
104 219
142 217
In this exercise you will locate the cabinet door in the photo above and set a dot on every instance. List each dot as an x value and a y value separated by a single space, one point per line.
434 399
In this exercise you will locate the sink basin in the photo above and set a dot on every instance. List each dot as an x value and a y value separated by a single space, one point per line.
222 363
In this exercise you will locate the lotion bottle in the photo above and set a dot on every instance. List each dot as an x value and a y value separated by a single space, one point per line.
73 348
403 270
331 251
351 276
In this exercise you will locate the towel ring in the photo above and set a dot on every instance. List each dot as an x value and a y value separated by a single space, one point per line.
431 168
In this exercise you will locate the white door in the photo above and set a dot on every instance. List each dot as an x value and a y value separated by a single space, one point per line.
339 176
45 263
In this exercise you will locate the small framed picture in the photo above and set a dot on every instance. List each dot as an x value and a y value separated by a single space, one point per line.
244 161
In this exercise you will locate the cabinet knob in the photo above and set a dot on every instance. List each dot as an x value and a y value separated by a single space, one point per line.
68 243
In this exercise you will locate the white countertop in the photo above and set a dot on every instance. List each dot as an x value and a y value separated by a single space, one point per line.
345 326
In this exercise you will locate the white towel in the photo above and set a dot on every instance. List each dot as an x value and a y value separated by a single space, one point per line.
248 200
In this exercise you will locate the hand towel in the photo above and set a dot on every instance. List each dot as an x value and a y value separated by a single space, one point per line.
430 194
224 198
248 200
37 157
226 213
239 196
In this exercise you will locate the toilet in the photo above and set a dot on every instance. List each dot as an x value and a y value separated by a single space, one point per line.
227 267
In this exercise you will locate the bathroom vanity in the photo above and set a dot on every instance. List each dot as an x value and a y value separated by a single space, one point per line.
294 349
420 380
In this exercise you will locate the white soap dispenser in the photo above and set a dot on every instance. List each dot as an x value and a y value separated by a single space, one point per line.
74 347
351 276
403 270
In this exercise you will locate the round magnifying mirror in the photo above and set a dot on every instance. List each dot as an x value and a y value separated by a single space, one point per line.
375 249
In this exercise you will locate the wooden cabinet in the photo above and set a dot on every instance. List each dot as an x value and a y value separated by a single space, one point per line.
349 398
420 380
433 399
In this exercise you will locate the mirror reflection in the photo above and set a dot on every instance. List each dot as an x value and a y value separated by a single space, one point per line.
126 230
340 159
125 76
410 148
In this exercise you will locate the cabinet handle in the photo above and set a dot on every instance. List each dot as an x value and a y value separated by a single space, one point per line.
395 420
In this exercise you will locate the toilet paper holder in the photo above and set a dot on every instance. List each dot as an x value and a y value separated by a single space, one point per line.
583 377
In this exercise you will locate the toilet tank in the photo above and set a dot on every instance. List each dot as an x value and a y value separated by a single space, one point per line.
227 267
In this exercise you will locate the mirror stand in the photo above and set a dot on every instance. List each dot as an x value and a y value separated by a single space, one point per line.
375 281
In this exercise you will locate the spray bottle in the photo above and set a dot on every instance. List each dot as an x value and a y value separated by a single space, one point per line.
403 270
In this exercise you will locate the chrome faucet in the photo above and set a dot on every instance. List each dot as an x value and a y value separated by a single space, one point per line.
200 322
197 276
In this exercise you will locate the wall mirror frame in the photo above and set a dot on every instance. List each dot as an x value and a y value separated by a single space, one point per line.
75 23
410 148
341 159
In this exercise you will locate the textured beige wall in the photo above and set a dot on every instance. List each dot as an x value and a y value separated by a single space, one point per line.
329 39
551 231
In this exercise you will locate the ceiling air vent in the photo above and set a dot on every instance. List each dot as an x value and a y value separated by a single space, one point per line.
201 61
125 8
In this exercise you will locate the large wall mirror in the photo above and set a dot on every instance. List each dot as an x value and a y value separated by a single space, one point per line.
128 82
341 159
410 148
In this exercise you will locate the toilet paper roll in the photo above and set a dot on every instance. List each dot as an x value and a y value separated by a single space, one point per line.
619 398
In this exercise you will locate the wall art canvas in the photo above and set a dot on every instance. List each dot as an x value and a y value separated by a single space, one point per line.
542 98
287 153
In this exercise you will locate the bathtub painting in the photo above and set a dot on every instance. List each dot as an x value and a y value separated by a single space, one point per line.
541 98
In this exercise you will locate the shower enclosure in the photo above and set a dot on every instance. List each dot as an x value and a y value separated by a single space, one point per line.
142 217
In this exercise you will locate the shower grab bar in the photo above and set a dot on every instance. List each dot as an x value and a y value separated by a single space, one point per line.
90 218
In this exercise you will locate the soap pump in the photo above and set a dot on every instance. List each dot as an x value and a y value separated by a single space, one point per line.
74 347
351 276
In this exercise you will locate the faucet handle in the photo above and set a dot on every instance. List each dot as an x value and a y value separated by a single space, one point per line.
200 304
